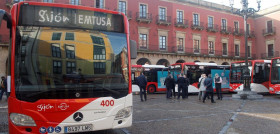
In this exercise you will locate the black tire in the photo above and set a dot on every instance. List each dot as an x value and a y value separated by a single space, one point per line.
151 89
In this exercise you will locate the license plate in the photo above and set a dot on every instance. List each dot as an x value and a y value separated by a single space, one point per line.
78 128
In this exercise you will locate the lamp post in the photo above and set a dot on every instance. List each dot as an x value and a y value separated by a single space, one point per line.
245 12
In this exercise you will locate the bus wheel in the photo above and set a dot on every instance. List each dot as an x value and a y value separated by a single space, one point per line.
151 89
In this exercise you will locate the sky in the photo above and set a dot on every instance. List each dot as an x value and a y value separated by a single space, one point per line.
252 3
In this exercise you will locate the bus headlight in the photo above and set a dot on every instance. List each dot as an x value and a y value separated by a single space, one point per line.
271 89
22 120
124 113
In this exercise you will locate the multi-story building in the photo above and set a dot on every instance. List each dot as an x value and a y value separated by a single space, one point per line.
170 31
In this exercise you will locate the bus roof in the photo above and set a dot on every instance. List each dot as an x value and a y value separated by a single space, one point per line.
149 66
265 61
196 63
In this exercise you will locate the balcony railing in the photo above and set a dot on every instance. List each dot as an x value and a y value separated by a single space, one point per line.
251 34
270 55
238 32
225 30
269 31
212 28
163 20
144 17
181 23
197 25
193 52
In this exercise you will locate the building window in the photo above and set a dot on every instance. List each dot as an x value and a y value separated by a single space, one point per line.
211 47
99 4
70 67
236 26
75 2
56 36
162 42
196 46
122 7
195 20
69 36
180 44
269 26
249 51
162 14
143 41
210 22
56 52
97 40
143 11
270 50
48 1
179 16
236 49
57 67
99 53
224 24
70 51
99 67
224 48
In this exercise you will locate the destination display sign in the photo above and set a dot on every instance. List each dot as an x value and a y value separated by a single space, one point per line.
44 16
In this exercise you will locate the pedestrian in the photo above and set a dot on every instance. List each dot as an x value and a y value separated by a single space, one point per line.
173 88
169 81
202 88
181 81
209 89
141 81
187 86
218 83
3 87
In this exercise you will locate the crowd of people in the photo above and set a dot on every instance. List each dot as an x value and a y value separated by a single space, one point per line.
204 85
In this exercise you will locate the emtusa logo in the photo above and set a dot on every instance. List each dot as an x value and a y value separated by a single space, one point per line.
63 106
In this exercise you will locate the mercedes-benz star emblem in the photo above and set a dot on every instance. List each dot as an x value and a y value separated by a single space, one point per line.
78 116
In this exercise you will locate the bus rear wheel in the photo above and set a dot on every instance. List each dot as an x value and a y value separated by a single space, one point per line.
151 89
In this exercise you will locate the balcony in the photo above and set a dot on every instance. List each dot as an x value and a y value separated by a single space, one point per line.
196 25
181 23
251 34
212 28
163 20
270 55
238 32
225 30
269 31
144 17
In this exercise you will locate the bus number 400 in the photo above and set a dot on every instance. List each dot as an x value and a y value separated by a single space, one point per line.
107 103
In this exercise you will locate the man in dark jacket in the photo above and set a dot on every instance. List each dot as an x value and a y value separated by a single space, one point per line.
181 81
169 82
187 85
3 87
209 88
141 81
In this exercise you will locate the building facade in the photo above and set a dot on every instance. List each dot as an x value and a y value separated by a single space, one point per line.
170 31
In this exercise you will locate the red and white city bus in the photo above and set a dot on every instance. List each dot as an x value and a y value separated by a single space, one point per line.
193 71
69 69
259 72
155 75
274 79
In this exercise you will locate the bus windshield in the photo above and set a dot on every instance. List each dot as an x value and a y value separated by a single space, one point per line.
65 63
237 72
275 71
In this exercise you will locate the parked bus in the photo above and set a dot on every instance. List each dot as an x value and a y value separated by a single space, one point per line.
274 80
69 69
259 72
193 71
155 75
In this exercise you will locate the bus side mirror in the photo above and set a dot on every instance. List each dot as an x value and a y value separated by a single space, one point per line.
4 15
133 49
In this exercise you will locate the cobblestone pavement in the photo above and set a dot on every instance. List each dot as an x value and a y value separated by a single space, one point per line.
159 115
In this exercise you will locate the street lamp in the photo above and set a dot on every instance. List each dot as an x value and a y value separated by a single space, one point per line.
245 12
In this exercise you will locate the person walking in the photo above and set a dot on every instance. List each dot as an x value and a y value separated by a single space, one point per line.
141 81
209 89
169 81
173 88
218 85
181 81
3 87
202 88
187 85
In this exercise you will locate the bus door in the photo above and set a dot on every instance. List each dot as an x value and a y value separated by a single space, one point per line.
261 76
